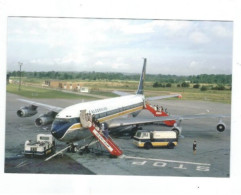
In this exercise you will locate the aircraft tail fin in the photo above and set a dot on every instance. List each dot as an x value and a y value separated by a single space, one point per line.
142 78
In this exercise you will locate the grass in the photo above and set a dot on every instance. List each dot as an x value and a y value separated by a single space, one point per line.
222 96
103 93
194 94
35 92
105 88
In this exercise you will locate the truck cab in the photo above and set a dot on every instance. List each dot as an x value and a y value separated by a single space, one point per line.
149 139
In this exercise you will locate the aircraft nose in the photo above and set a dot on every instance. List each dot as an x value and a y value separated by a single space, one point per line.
58 131
53 132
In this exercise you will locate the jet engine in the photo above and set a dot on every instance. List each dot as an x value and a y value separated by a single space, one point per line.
221 127
27 111
134 114
45 119
177 129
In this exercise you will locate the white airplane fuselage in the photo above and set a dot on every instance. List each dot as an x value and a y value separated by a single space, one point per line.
67 127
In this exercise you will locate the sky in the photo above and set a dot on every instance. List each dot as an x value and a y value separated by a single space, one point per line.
119 45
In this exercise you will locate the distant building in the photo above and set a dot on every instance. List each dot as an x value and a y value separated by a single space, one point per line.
73 86
84 90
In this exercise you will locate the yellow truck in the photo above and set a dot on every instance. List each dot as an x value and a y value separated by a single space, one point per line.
149 139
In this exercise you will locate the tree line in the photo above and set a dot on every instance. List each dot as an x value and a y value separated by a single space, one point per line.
185 84
159 78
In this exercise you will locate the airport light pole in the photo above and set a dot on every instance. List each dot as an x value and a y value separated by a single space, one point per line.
20 75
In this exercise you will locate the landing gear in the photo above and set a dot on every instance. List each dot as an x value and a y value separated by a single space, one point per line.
72 149
84 150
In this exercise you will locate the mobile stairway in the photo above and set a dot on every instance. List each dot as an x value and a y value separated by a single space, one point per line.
158 113
106 141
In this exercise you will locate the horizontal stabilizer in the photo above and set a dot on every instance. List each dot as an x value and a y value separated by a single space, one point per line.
120 93
164 96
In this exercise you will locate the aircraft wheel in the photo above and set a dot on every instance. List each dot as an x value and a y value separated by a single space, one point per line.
147 145
54 150
112 156
75 149
170 146
87 150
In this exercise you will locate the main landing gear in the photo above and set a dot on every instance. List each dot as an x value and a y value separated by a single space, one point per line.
73 148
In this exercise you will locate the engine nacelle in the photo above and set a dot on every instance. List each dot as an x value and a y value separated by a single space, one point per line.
177 129
221 127
27 111
134 114
45 119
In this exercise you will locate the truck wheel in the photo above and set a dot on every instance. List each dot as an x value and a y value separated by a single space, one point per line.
147 145
170 146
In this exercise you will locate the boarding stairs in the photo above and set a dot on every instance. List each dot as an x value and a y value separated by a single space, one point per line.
158 113
106 141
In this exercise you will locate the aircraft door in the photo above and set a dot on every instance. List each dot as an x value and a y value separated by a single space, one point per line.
85 119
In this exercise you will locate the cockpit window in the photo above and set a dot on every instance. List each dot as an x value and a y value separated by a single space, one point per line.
74 120
66 120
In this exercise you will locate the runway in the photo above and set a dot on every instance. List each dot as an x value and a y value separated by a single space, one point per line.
211 160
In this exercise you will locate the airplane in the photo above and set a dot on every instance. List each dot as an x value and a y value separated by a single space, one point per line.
66 122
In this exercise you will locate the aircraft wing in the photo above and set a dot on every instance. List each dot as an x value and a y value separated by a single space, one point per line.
48 107
141 120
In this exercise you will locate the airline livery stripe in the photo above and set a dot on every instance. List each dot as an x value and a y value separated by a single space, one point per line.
120 114
75 126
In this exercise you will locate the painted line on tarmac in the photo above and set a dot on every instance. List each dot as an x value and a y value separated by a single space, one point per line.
165 160
23 163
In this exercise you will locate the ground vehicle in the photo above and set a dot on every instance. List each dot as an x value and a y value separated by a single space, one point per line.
149 139
44 145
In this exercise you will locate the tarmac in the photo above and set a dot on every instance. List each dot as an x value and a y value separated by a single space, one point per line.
212 158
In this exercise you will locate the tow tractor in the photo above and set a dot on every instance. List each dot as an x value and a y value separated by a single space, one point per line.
44 146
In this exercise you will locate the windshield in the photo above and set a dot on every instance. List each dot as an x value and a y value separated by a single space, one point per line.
138 134
63 121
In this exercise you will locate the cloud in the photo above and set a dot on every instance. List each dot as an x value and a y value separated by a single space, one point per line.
194 64
128 28
221 31
198 38
146 26
99 63
118 45
172 26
